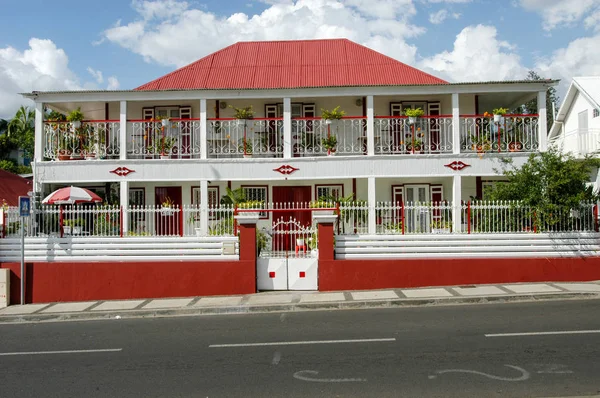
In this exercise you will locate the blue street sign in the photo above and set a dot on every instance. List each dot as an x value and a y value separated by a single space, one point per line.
24 206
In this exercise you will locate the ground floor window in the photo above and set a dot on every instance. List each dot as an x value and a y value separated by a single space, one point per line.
329 191
258 194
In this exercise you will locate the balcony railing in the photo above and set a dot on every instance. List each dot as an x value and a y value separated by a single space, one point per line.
263 137
308 135
93 139
236 138
580 141
514 133
429 134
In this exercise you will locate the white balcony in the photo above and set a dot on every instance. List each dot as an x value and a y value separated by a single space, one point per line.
580 142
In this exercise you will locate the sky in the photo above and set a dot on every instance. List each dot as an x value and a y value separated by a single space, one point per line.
122 44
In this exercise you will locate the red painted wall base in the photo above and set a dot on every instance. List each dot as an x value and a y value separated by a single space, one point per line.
381 274
65 281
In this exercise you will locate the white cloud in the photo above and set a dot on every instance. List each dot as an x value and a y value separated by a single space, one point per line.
96 74
593 20
41 67
440 16
478 55
556 13
193 33
579 58
113 83
449 1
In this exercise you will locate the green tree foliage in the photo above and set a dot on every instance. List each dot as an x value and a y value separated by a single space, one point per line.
531 106
551 184
21 128
7 145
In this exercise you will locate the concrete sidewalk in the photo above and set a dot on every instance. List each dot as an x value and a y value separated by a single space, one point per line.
297 301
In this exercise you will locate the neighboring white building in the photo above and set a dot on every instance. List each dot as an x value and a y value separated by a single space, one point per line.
449 154
576 127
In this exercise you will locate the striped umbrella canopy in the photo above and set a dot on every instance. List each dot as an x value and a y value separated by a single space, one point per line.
70 196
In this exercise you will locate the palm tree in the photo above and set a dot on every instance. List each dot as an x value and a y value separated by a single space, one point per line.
22 128
234 197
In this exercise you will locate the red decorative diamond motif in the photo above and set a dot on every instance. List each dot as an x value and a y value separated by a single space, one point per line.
457 165
286 169
122 171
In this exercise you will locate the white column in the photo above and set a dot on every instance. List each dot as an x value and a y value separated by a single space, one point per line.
203 130
371 201
123 131
124 201
204 207
38 149
370 126
287 128
455 124
456 203
542 124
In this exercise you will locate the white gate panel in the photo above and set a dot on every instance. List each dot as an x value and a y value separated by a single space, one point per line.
271 274
303 273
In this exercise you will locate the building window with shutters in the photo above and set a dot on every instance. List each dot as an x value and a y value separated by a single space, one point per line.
596 112
329 191
257 193
213 199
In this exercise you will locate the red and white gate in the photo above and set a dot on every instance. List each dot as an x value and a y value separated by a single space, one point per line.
289 262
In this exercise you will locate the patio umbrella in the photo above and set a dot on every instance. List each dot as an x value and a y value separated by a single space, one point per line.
70 196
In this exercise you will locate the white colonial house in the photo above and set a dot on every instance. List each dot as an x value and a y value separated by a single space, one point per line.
577 125
176 139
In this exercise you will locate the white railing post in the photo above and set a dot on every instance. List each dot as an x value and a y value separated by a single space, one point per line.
456 204
455 124
370 126
287 128
204 207
124 201
203 130
542 123
38 153
123 131
371 199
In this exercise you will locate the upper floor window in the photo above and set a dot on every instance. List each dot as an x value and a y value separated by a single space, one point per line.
596 112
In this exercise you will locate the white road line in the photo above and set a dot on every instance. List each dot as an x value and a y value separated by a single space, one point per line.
543 333
5 354
301 343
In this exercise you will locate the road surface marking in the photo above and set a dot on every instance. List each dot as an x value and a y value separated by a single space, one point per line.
301 343
543 333
276 358
5 354
524 373
300 376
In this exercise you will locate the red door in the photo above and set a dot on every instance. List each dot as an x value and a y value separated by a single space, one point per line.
296 197
168 221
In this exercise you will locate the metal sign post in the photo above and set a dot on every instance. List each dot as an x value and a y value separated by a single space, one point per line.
24 211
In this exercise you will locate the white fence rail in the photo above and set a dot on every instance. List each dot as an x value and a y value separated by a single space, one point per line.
120 249
542 245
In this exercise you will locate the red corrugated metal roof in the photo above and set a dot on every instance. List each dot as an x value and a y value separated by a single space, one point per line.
292 64
12 186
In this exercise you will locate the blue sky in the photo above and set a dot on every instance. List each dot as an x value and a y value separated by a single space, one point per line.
69 44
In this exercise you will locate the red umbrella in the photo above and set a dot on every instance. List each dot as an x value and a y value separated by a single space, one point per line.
70 196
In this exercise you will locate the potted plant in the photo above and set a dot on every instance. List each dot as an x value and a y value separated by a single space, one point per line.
242 114
413 114
441 226
164 121
330 143
516 142
499 114
393 228
480 143
162 146
73 226
330 115
75 118
415 145
245 147
167 206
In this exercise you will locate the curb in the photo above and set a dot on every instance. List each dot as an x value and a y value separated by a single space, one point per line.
297 307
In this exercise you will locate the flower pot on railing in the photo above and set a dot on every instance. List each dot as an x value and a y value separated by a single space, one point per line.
165 122
515 146
498 118
412 119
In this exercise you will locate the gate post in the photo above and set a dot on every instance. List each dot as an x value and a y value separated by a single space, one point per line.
247 230
325 235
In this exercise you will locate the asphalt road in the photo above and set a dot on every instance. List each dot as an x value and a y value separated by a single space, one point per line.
402 352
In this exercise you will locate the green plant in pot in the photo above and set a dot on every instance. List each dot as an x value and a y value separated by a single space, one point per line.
75 118
499 114
330 144
245 147
414 114
480 143
242 114
162 146
334 114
